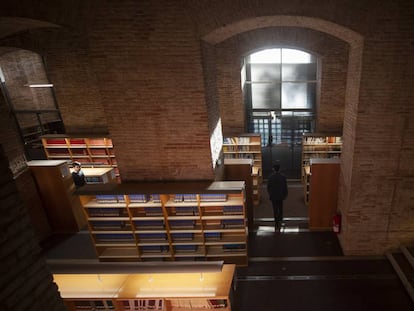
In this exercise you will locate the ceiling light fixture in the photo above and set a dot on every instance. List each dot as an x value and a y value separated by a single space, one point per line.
39 85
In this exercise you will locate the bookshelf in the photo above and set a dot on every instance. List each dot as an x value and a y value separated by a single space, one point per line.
171 221
317 146
323 192
91 151
247 146
241 169
194 291
54 181
98 175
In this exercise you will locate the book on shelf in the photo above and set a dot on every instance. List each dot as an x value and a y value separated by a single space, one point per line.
143 304
106 198
232 210
186 210
185 248
107 212
149 224
138 198
184 236
185 198
182 224
212 236
94 305
234 247
151 236
153 211
216 197
120 198
94 180
232 223
156 198
217 303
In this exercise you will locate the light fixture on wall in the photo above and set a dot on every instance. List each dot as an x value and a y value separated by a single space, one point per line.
39 85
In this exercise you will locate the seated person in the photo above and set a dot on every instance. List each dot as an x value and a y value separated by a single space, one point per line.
77 175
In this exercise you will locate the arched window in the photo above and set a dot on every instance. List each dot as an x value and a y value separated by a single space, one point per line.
279 87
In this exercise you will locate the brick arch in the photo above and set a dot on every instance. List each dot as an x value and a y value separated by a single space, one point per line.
222 33
12 25
355 42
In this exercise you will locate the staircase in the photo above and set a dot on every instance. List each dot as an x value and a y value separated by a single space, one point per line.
403 264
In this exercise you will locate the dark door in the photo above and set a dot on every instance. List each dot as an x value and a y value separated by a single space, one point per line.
282 141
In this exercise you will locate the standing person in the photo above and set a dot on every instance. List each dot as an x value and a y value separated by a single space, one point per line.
77 175
278 192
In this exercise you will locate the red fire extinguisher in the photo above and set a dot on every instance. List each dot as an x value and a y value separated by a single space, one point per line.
336 223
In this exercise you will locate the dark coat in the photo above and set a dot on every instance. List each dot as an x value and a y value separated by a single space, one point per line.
78 179
277 187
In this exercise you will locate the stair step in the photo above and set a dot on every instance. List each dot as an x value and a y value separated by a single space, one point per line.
402 265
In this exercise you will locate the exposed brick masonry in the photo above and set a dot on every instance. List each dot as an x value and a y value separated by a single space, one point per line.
25 283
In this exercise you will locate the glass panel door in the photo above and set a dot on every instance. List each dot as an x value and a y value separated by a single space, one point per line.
282 140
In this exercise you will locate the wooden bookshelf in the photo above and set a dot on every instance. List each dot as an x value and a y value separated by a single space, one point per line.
318 146
98 175
323 192
194 291
247 146
241 169
172 221
91 151
56 188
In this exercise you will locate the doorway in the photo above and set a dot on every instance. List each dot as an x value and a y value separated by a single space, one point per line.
281 133
279 90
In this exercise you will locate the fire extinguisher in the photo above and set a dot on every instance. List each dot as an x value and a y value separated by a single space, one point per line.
336 223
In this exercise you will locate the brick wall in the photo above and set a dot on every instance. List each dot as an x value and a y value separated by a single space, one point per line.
140 68
26 283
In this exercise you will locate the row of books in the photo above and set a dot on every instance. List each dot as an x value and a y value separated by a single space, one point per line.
185 198
233 210
236 140
156 237
197 303
255 156
103 305
322 139
160 224
133 198
143 304
107 212
213 197
143 198
238 148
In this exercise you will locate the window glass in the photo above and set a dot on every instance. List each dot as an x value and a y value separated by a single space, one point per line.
265 72
265 95
299 72
291 56
298 95
268 56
